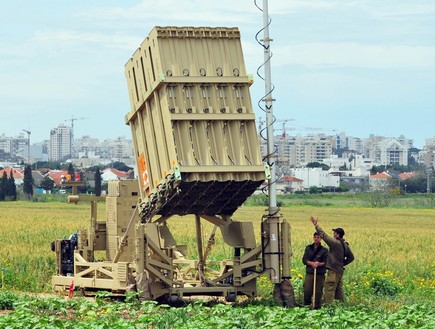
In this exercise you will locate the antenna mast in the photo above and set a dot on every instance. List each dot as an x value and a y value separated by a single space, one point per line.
269 108
276 232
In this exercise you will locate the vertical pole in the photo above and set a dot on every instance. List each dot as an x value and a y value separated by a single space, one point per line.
28 145
71 140
314 289
199 246
94 209
273 219
28 148
269 106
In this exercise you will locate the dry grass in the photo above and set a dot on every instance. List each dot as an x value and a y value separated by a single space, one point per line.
386 239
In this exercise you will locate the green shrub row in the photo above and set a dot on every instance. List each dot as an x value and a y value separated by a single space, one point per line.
34 312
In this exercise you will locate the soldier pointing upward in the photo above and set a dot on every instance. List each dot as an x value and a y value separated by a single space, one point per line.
339 256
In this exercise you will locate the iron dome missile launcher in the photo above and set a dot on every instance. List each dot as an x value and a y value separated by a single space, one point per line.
197 154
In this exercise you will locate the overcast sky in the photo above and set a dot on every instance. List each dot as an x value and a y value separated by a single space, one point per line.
358 66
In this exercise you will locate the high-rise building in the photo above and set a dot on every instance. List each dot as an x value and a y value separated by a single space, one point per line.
348 143
60 143
299 150
311 148
13 147
428 153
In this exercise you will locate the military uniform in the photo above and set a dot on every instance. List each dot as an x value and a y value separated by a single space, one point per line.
339 256
320 255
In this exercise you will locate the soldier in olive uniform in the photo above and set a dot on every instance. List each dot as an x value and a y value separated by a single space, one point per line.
314 258
339 256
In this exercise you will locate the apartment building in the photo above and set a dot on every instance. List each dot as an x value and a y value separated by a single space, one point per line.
349 143
13 147
428 153
299 150
316 148
355 165
118 148
60 143
315 177
386 150
392 152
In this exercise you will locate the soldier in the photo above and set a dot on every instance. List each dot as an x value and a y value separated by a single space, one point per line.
339 256
314 258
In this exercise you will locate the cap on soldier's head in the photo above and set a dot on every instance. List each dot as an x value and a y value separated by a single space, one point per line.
339 231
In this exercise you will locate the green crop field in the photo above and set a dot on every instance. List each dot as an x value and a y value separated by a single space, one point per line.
390 284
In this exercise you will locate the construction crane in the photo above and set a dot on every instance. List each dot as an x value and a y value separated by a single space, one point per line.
284 121
72 119
297 127
28 145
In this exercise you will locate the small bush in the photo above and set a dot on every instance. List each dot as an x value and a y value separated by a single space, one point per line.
384 286
7 300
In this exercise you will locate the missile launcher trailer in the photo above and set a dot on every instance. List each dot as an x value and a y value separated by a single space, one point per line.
197 153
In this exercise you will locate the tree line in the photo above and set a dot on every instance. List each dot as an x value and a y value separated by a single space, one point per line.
8 189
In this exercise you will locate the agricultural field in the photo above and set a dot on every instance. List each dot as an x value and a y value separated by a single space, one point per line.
390 284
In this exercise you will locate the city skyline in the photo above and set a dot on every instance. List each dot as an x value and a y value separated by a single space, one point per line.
362 67
278 129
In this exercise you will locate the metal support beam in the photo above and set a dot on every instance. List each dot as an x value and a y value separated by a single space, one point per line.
199 246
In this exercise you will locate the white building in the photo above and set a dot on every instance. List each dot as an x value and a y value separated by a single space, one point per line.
392 152
300 150
316 177
361 166
117 149
349 142
428 153
60 143
335 163
113 174
386 150
14 146
355 169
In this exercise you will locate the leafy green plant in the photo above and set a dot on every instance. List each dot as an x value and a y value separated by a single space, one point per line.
79 313
385 286
7 300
